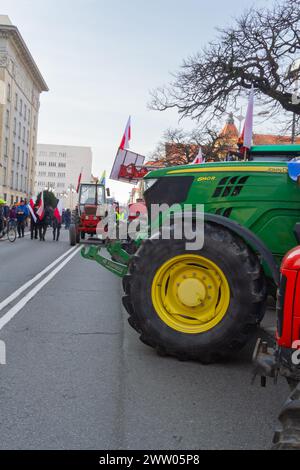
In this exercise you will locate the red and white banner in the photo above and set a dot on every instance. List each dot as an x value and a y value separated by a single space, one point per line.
199 159
58 211
41 209
246 137
31 210
79 181
126 137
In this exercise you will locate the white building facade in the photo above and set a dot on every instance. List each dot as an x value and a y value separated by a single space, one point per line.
21 84
58 168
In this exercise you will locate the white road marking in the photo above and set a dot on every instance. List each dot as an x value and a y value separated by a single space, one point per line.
18 292
21 304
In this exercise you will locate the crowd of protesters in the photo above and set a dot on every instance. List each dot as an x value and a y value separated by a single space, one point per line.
22 217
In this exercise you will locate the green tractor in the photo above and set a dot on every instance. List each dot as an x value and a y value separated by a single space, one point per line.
205 305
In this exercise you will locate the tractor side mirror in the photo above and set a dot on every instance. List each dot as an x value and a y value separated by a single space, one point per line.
107 192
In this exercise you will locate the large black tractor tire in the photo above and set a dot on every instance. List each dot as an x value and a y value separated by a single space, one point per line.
288 435
247 304
73 235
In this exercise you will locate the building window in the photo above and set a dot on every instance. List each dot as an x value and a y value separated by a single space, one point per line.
7 118
28 116
61 175
11 200
53 164
18 155
51 174
15 126
24 133
4 178
21 107
23 157
25 111
62 165
16 101
26 161
13 152
6 147
8 92
20 130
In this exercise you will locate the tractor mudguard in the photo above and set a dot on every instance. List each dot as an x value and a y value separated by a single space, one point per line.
249 237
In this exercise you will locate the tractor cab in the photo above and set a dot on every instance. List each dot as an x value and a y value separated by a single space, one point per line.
91 198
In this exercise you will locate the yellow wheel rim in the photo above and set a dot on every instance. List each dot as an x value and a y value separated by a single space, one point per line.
190 294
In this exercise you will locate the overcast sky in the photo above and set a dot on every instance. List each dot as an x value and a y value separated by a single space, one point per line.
100 59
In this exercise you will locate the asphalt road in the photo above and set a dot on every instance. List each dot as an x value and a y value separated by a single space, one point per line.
77 376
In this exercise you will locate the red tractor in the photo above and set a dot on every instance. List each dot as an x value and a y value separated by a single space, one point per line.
90 211
284 359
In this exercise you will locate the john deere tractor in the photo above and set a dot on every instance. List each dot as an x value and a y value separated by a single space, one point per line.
205 304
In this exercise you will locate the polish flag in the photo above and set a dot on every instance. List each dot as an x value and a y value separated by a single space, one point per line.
246 137
31 210
41 209
127 136
199 159
58 211
79 180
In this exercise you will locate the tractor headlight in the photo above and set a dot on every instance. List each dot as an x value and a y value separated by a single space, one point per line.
148 183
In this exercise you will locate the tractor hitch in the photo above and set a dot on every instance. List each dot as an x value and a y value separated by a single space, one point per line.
265 363
93 253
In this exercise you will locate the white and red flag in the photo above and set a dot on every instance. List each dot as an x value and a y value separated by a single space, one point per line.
31 210
245 140
127 136
58 211
79 180
41 209
199 159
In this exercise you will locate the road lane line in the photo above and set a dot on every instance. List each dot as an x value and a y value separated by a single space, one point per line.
21 304
19 291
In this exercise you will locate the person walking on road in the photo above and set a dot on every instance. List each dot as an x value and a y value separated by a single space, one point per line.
2 218
34 224
56 225
67 219
22 214
43 224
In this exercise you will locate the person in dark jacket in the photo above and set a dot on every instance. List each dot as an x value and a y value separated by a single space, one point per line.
22 214
45 222
67 219
13 213
34 224
56 225
2 219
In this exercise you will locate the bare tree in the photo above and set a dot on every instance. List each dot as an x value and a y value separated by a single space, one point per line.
256 51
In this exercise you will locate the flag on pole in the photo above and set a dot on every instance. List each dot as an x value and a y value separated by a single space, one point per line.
245 140
127 136
31 210
199 159
103 179
79 180
41 209
58 211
